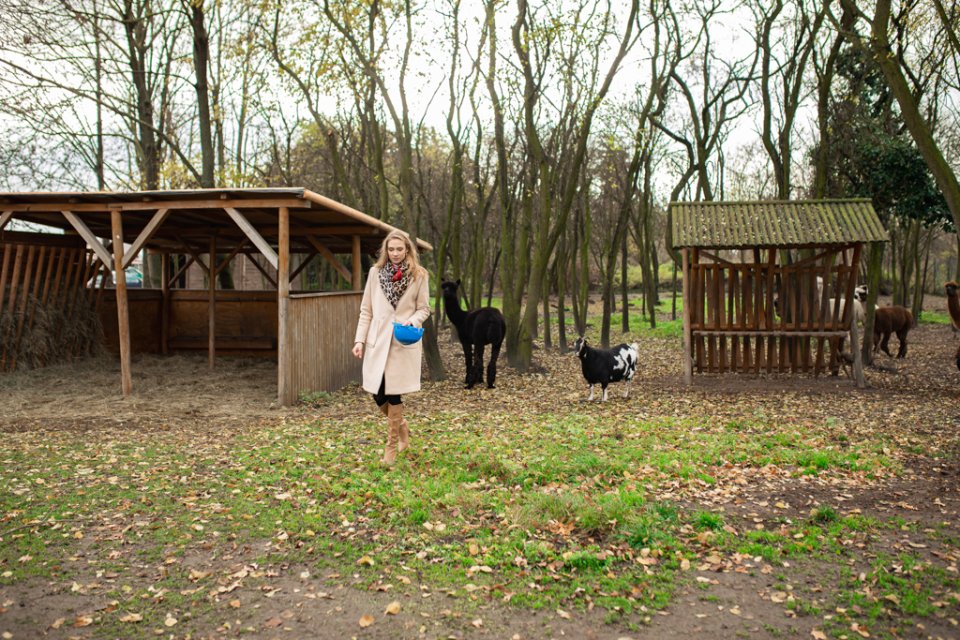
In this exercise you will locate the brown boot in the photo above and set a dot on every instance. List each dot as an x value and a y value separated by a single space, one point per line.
404 434
383 408
394 417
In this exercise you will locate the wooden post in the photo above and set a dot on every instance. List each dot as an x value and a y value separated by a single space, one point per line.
687 310
857 356
212 302
283 300
123 316
165 302
357 285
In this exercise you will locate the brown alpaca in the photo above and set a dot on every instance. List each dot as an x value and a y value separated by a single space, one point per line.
953 304
892 320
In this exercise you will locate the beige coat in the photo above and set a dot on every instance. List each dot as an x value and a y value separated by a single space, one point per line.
383 356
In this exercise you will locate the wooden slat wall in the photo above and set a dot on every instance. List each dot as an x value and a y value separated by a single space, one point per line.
40 272
244 318
322 326
736 328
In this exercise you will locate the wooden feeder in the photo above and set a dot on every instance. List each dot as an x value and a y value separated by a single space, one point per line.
752 273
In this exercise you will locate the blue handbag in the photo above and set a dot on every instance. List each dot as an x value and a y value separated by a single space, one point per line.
406 334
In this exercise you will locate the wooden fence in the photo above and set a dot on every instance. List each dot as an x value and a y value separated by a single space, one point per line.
46 312
321 328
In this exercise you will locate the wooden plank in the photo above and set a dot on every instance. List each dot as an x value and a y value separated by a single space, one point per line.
329 257
48 281
767 310
835 333
123 315
92 241
21 310
323 328
12 296
255 236
5 271
147 205
38 279
144 236
687 311
165 302
212 304
355 264
285 396
5 217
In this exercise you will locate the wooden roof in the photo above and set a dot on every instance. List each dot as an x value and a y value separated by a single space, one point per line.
194 213
795 223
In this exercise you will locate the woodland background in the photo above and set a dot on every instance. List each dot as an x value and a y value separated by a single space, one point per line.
535 144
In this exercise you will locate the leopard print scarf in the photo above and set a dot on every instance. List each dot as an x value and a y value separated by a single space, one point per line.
394 280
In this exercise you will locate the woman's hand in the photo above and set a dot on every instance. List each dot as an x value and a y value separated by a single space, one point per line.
358 350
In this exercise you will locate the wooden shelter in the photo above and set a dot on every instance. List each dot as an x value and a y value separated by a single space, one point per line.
310 332
763 283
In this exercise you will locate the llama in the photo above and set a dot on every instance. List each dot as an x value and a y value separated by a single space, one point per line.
603 366
953 305
889 320
475 329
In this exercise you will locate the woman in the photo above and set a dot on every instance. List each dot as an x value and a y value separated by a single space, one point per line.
397 291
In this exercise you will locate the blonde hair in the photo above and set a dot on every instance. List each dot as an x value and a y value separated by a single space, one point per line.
413 258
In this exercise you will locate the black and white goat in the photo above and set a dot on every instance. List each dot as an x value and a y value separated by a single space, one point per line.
603 366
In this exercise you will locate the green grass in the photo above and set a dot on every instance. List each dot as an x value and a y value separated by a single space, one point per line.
934 317
563 502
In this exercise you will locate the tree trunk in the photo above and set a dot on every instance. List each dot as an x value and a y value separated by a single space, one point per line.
201 63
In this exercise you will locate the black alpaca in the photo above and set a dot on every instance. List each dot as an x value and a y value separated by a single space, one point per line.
476 329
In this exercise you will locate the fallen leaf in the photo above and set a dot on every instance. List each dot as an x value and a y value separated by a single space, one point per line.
170 620
83 621
366 621
393 608
131 617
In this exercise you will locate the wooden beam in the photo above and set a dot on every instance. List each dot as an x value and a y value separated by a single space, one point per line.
144 236
123 316
323 251
283 301
337 230
357 277
182 270
303 265
5 218
255 236
196 256
266 275
220 267
92 241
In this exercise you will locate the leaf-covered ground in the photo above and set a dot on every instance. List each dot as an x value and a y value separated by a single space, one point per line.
778 506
